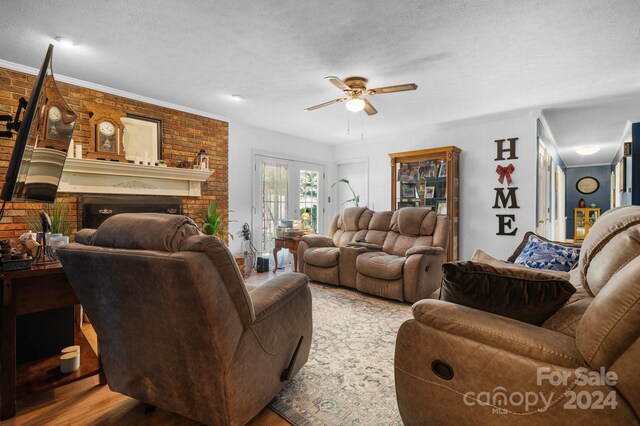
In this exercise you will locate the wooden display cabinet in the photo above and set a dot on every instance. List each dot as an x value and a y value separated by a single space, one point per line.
429 178
583 220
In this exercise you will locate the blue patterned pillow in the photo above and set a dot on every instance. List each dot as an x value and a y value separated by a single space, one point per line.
547 255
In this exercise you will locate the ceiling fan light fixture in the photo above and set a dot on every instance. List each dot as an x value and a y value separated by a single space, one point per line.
588 150
355 104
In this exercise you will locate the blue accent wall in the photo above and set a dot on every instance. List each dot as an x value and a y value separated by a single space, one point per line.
633 164
601 197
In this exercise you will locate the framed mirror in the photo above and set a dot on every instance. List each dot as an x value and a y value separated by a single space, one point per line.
587 185
142 138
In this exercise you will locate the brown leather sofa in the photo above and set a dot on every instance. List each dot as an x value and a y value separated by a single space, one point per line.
397 255
458 365
176 325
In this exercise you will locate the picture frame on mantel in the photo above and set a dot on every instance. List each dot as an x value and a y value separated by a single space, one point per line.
142 139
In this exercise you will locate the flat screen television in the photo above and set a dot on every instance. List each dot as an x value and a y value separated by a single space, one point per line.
43 139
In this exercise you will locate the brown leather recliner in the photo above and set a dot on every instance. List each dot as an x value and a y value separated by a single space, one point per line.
176 325
397 255
458 365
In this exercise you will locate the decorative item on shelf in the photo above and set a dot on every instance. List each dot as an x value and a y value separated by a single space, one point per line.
582 203
162 163
54 218
13 260
142 137
408 190
441 208
442 171
593 205
430 192
184 164
201 162
356 198
106 135
59 121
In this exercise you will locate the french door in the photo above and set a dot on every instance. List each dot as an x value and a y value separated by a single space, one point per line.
285 190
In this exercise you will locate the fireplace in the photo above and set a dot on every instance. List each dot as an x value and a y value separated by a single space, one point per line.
96 209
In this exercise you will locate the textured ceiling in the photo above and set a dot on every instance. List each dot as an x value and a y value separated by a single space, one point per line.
469 58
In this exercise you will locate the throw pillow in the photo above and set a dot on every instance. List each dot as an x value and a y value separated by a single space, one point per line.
525 240
526 295
482 257
541 254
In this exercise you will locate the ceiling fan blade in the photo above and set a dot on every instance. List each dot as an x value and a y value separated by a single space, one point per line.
337 82
368 108
392 89
335 101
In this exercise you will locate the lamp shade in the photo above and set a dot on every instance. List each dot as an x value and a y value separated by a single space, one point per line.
355 104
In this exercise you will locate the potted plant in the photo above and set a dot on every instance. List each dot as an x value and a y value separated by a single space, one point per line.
213 221
58 212
356 198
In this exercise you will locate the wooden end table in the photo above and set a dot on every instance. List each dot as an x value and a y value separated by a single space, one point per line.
288 243
40 288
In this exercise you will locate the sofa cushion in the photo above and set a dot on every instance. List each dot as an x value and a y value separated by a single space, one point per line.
355 218
398 244
526 295
380 265
541 254
322 256
414 221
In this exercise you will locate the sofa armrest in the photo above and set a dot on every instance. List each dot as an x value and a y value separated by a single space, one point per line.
428 250
275 293
315 240
505 333
84 236
365 245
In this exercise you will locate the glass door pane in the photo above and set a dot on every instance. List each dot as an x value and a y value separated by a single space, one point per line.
274 185
309 191
285 190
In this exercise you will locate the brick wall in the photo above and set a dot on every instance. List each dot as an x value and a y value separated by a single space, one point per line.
183 135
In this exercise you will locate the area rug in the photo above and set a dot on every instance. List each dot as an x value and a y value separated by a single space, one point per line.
348 379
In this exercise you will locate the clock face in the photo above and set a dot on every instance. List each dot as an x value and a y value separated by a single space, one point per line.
55 114
107 128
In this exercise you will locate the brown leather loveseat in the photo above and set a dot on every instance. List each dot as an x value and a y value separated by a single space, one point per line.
176 325
459 365
397 255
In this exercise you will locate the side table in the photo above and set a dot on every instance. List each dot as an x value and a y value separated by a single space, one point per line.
34 290
288 243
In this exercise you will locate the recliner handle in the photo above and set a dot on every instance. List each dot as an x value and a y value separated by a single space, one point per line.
286 373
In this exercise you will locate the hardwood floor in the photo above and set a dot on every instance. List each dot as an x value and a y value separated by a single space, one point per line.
86 403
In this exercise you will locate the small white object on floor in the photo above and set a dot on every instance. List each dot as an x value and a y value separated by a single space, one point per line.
70 359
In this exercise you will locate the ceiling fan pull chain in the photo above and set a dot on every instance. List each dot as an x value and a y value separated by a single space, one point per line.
348 130
361 127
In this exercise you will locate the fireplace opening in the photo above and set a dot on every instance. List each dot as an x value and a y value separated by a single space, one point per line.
97 209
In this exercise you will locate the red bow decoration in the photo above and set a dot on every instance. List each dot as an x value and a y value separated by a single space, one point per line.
505 172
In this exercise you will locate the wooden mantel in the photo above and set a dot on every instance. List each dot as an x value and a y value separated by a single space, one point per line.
106 177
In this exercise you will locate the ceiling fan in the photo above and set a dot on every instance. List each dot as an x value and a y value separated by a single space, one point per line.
356 89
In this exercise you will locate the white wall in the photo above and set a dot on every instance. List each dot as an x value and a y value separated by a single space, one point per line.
478 223
244 142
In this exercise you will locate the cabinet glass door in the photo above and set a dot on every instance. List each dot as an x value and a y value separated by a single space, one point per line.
580 224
